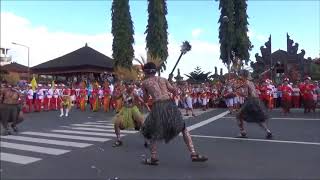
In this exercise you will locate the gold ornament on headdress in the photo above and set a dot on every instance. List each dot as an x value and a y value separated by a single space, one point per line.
136 71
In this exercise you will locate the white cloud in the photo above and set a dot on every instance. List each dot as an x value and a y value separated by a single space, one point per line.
46 45
196 32
261 38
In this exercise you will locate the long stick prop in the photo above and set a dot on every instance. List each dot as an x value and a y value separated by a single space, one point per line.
176 63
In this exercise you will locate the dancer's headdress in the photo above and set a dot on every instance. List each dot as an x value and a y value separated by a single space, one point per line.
136 71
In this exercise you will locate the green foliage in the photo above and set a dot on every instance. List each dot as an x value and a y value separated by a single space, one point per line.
233 30
226 29
198 76
157 35
122 31
242 44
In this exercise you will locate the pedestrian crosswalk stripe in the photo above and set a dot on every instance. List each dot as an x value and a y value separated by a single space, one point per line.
90 125
47 141
97 123
101 130
85 133
17 158
39 149
85 138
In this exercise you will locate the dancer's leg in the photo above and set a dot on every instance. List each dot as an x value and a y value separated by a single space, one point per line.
264 126
188 141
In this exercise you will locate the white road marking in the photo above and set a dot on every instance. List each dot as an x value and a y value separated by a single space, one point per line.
259 140
85 138
47 141
302 119
101 130
17 158
202 123
91 125
96 123
104 122
39 149
85 133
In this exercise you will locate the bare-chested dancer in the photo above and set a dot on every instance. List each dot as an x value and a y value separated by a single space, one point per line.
165 120
10 109
253 110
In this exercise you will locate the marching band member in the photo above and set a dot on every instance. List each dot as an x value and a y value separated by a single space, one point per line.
204 97
286 100
39 98
73 95
187 100
267 94
29 97
308 90
65 102
94 99
48 98
55 100
106 96
296 96
100 94
228 96
83 97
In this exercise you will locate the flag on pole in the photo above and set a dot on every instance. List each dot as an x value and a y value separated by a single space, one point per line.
34 83
52 84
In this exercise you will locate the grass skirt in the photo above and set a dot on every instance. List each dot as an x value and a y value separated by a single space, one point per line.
8 113
127 114
253 110
164 122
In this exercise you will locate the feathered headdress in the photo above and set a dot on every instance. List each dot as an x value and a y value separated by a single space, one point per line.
136 71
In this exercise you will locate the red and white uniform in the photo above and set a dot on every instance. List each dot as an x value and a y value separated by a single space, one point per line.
56 100
39 99
296 97
29 99
47 99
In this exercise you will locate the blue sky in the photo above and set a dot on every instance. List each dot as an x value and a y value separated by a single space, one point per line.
195 21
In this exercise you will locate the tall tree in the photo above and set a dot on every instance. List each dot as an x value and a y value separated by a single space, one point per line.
242 44
157 35
122 31
226 30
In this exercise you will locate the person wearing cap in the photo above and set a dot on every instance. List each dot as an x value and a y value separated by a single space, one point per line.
253 110
286 99
165 120
308 90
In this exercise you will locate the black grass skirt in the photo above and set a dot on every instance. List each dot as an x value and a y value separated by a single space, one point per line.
253 111
164 122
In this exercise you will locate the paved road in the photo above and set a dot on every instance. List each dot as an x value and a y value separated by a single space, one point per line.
79 146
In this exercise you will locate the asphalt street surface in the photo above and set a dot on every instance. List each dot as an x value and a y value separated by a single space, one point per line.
80 147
